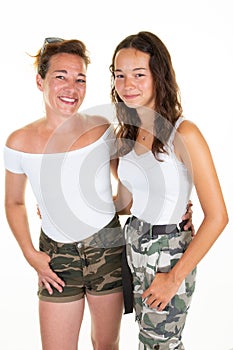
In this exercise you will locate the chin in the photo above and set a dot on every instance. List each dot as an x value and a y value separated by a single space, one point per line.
131 105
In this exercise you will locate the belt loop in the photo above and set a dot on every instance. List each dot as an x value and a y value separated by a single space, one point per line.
151 231
129 220
140 227
53 243
55 247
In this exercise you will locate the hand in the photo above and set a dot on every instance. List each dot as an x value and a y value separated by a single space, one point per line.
40 261
188 216
38 211
161 291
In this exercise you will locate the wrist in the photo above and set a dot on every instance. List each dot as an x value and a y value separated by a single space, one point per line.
176 276
29 255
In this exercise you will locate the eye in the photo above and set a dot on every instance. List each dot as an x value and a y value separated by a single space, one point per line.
139 75
81 81
60 77
119 76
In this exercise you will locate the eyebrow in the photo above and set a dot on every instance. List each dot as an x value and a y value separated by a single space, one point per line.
65 72
135 69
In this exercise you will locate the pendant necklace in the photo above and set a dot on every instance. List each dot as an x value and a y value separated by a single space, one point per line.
146 134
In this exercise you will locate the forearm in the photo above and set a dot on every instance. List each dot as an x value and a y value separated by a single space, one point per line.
121 209
201 243
18 222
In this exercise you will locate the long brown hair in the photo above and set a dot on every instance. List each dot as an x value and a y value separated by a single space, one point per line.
167 95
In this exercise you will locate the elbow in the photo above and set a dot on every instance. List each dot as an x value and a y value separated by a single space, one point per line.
222 219
216 221
225 219
124 211
11 205
8 205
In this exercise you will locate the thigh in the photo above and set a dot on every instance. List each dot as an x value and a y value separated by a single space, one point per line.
103 273
148 257
106 313
67 264
163 328
60 324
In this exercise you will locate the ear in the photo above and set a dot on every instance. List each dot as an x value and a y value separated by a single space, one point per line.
39 82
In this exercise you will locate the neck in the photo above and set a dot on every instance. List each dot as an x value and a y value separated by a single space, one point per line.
62 126
147 118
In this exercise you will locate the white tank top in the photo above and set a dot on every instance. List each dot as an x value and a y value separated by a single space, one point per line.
73 189
160 190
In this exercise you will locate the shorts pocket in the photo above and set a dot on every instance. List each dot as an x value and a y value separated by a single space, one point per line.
46 245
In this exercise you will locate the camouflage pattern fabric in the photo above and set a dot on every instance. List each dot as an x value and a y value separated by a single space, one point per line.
92 265
146 256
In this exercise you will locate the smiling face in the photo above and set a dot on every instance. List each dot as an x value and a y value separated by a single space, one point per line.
133 79
64 86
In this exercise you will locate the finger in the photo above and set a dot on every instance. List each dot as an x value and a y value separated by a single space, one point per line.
49 283
150 300
57 286
161 306
189 210
40 283
154 303
189 205
193 230
56 279
188 225
47 286
187 215
146 294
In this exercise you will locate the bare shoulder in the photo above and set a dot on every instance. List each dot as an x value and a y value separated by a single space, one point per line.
189 130
20 138
97 124
186 126
189 139
98 121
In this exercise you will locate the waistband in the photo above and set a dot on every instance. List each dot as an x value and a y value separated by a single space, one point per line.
154 230
108 237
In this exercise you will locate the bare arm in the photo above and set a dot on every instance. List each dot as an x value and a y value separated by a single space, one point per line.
113 167
195 154
123 200
17 218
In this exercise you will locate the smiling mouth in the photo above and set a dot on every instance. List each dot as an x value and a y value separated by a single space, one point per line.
68 99
130 97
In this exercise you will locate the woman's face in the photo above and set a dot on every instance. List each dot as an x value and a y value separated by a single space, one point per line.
134 82
64 86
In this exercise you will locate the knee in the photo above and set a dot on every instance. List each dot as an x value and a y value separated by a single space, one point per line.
105 344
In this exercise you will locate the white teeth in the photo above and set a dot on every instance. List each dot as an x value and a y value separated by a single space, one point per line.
67 99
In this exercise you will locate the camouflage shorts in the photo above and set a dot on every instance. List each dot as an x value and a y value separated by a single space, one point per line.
92 265
146 256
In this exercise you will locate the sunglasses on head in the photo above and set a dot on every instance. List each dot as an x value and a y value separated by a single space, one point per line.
49 41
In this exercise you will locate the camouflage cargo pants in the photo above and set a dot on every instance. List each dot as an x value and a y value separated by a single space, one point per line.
146 256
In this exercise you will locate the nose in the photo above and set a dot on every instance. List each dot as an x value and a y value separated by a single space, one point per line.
71 84
128 82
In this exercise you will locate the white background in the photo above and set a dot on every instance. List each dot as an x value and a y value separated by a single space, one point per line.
199 36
